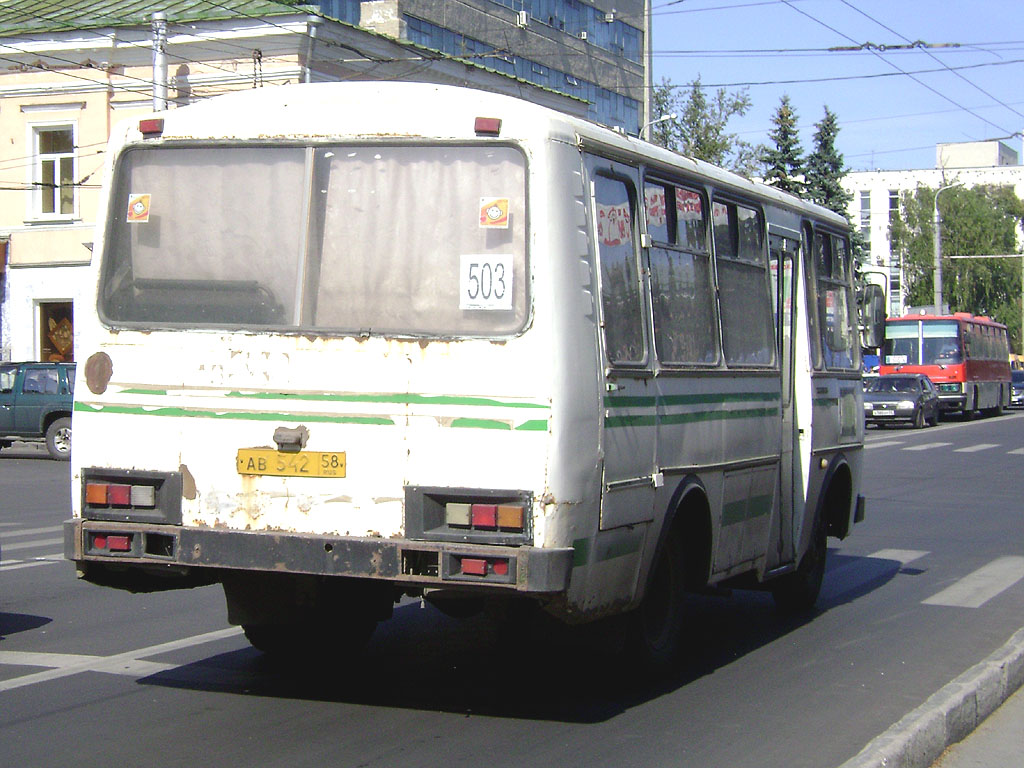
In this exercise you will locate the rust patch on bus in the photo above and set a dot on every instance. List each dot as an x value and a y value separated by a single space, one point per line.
98 370
188 483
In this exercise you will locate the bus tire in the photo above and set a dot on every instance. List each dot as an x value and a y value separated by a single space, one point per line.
653 630
797 592
58 439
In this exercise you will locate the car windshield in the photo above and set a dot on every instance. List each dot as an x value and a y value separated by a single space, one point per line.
894 384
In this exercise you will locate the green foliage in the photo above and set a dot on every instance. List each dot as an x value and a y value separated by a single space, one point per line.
784 162
700 128
824 168
980 221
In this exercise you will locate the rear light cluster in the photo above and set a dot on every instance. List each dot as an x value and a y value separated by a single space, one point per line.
110 542
479 566
485 517
99 494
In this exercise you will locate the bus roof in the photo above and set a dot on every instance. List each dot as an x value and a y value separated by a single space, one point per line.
373 110
965 317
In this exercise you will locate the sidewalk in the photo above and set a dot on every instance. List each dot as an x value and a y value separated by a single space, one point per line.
980 713
997 743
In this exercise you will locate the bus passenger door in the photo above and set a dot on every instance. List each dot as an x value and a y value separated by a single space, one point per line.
783 250
629 425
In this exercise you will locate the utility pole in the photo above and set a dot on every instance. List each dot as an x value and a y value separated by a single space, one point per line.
159 61
937 245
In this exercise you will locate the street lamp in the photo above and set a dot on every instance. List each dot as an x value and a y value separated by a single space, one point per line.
937 234
645 130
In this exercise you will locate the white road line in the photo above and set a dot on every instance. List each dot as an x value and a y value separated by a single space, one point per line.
128 663
14 565
976 448
978 588
926 446
902 556
32 532
1016 452
31 544
883 444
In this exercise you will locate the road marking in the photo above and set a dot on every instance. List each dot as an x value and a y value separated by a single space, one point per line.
31 544
976 589
16 564
926 446
1016 452
33 531
976 448
902 556
127 663
883 444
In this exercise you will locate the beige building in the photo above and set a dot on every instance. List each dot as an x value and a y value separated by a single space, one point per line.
876 196
72 73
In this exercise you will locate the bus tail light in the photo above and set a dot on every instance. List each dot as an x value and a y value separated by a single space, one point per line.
487 126
486 517
131 496
151 126
484 567
102 494
109 542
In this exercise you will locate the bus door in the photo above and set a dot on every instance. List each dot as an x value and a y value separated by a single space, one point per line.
783 251
629 422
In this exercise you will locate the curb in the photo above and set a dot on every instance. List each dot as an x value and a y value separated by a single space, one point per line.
950 714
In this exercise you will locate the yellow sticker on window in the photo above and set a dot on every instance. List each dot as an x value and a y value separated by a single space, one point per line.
138 208
494 212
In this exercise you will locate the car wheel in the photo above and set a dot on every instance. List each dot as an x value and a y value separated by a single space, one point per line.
58 439
919 418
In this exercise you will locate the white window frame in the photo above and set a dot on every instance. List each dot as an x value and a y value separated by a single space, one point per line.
35 171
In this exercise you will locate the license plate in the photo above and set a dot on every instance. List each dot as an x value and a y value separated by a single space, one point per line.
267 461
884 413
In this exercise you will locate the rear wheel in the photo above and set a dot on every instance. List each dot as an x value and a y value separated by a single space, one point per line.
798 591
653 629
919 418
58 439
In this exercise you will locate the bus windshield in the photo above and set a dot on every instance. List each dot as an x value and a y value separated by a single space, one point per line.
922 342
361 239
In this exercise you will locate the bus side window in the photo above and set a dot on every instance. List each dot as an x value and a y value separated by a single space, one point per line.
620 283
682 298
748 332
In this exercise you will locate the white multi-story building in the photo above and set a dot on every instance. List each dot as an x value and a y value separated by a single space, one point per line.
876 196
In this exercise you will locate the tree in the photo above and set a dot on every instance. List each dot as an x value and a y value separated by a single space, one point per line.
824 169
700 128
783 162
980 221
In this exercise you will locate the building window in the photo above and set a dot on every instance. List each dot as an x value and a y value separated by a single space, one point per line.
56 326
54 171
894 205
865 216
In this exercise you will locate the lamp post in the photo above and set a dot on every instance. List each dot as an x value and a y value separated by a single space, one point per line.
645 132
937 234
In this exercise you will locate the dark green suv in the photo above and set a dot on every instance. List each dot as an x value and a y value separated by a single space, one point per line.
35 404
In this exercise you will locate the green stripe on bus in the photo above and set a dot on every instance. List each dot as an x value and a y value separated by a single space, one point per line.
612 422
135 410
399 398
463 423
746 509
609 547
533 425
712 398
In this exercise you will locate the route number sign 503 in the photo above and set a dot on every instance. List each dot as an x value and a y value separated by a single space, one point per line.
485 282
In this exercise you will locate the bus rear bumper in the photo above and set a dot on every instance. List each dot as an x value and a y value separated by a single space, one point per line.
151 557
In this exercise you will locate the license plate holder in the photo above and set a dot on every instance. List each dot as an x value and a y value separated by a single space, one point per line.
274 463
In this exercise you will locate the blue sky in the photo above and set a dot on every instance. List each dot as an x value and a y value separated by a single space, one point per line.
888 120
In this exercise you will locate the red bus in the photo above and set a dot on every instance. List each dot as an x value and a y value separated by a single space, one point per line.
966 357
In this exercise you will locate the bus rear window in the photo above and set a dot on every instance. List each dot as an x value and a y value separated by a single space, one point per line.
362 239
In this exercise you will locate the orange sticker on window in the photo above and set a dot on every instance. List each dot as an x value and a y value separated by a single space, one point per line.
138 208
494 212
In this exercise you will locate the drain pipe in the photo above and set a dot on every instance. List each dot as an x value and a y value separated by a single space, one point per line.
312 24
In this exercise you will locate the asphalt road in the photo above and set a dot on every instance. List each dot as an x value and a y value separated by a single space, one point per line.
925 588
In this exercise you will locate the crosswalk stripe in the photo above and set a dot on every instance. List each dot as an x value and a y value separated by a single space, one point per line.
883 444
31 532
977 588
16 565
976 448
926 446
31 544
1016 452
902 556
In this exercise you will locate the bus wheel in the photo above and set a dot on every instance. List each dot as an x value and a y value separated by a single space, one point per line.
653 629
58 439
798 591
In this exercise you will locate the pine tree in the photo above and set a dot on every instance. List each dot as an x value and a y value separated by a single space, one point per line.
824 168
783 162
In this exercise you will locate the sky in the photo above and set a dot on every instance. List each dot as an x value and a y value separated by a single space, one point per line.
893 104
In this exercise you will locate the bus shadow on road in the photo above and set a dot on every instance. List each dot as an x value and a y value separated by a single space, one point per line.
525 667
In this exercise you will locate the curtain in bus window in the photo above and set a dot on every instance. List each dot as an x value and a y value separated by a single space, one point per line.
837 329
205 236
620 287
941 343
683 306
410 232
692 228
901 344
748 332
659 224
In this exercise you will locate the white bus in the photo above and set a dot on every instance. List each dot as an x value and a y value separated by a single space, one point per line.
350 342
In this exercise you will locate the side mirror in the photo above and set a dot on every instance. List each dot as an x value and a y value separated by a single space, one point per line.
872 315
